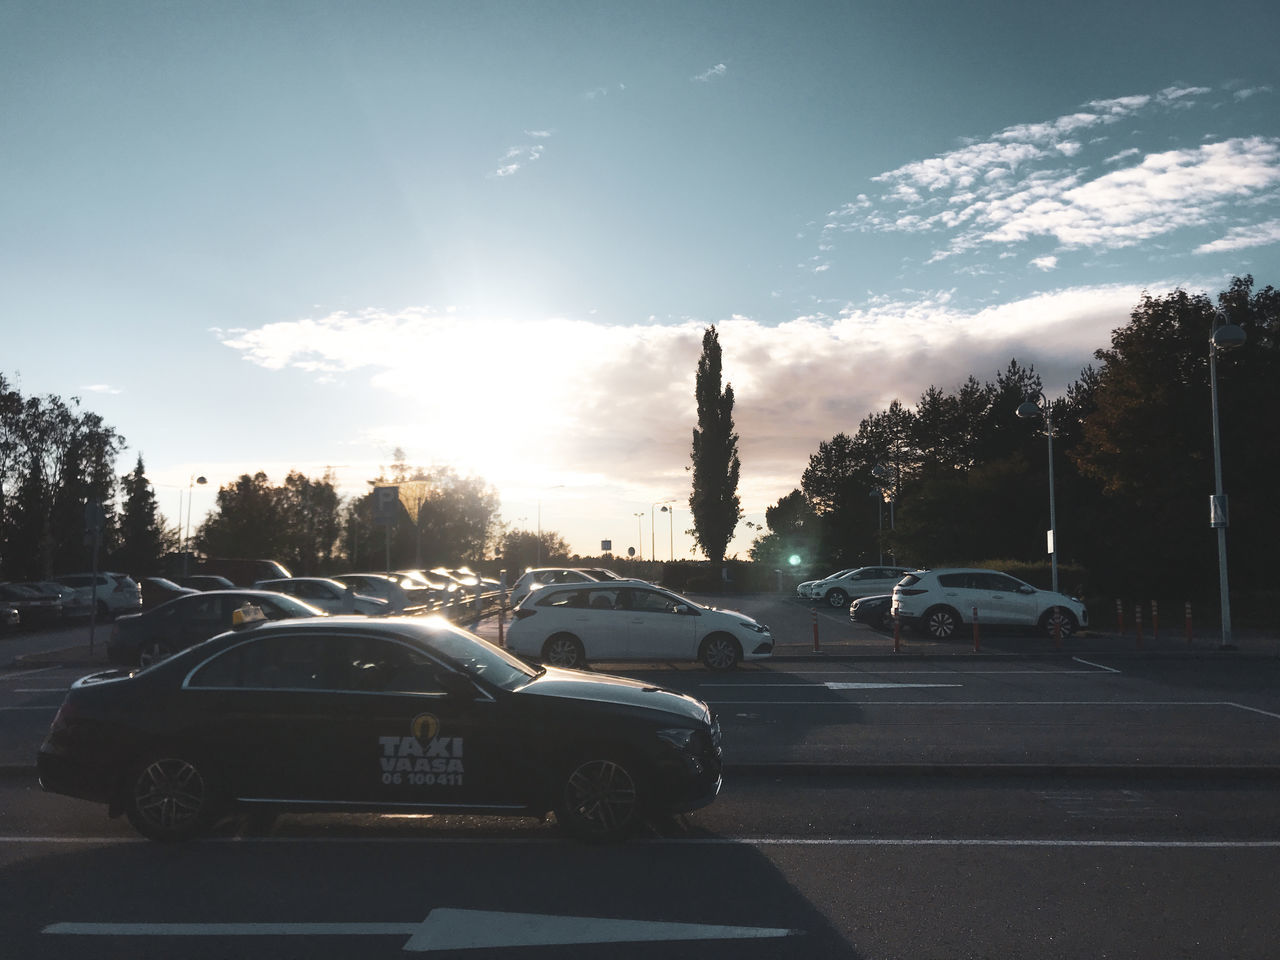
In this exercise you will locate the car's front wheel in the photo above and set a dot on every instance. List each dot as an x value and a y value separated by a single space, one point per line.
837 598
564 650
720 652
940 623
170 797
600 798
1058 622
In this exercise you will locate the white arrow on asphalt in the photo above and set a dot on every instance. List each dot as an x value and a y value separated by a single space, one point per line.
886 686
449 929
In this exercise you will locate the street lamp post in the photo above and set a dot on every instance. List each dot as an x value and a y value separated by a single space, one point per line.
670 511
1029 410
639 534
186 537
653 548
1225 336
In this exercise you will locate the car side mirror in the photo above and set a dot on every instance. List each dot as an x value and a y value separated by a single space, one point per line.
1027 589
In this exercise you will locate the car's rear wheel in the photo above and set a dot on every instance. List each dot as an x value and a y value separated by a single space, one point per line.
153 652
720 652
600 798
940 623
170 797
837 598
564 650
1058 622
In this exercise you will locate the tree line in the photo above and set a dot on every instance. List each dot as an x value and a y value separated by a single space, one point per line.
959 478
956 478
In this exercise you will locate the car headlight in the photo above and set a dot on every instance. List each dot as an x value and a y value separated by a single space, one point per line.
678 737
757 627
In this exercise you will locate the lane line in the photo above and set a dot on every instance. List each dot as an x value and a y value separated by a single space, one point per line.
1063 842
1265 713
1092 664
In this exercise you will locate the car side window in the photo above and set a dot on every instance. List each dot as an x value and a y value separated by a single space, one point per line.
650 601
954 580
373 665
269 663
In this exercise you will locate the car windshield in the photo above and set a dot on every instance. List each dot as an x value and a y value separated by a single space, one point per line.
476 656
293 607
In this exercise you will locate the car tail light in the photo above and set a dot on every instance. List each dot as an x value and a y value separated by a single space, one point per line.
521 612
908 592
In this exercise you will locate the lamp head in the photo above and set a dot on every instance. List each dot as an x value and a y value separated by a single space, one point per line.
1227 335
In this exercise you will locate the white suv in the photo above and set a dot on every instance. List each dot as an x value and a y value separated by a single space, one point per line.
569 625
838 589
938 602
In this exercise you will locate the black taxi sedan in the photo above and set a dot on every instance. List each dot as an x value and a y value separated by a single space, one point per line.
387 715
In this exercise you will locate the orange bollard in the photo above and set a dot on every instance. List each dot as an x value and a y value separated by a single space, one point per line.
977 643
1155 621
1137 621
897 635
1120 617
1188 623
815 631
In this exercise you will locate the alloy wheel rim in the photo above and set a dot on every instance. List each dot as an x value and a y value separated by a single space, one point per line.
170 794
602 794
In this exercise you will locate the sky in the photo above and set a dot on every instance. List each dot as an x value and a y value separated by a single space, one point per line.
299 235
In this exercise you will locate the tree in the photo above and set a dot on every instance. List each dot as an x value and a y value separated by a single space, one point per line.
248 521
714 502
1147 440
142 540
520 550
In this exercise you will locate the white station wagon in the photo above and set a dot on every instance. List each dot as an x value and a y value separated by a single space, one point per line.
573 624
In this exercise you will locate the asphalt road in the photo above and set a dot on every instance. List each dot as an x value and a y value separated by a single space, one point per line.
1024 801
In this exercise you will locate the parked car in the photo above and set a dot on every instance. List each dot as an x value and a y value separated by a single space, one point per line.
145 638
836 591
401 593
537 577
467 580
9 616
804 587
404 713
206 581
329 595
243 572
570 625
939 602
113 593
875 612
34 608
76 601
156 590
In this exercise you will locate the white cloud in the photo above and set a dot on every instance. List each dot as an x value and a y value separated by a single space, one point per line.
719 70
105 388
1242 238
797 383
516 158
1041 180
1045 263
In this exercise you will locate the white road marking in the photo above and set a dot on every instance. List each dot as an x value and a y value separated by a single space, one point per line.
1265 713
450 929
1090 663
888 685
987 703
